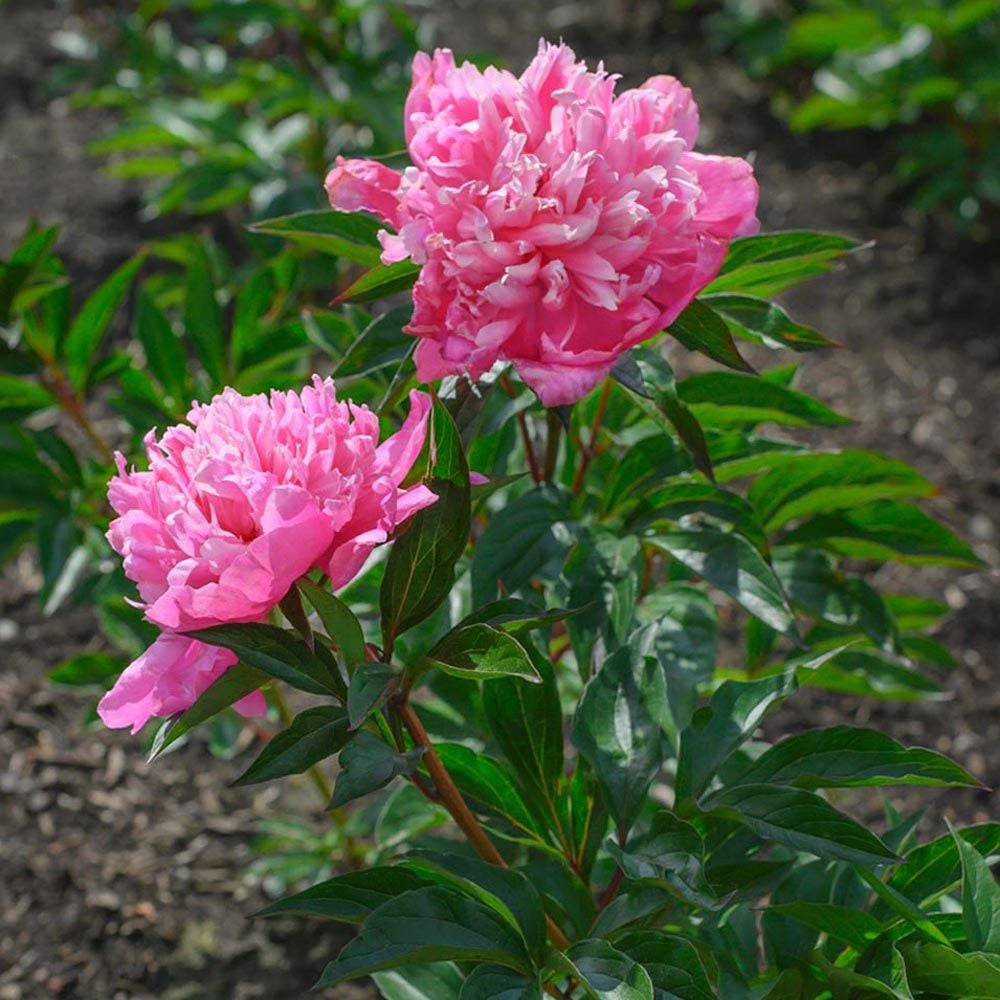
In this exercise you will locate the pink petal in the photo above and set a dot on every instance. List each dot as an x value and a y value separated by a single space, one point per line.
396 455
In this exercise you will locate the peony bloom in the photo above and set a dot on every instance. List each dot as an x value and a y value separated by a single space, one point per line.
238 505
556 223
169 677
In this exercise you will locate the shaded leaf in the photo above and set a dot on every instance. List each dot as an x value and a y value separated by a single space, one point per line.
312 736
367 764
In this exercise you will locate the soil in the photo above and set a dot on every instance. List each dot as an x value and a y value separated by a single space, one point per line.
122 880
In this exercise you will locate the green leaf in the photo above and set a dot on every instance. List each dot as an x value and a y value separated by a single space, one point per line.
883 531
163 349
980 899
511 614
19 397
731 563
350 897
434 981
16 272
92 321
854 927
432 924
900 904
665 407
420 569
86 670
802 821
611 974
765 323
203 315
488 785
277 653
943 972
380 345
671 851
672 963
808 484
526 722
510 893
849 757
481 652
367 764
352 235
491 982
700 328
685 641
766 264
372 684
618 729
236 683
380 282
312 736
518 541
733 713
342 627
867 673
724 399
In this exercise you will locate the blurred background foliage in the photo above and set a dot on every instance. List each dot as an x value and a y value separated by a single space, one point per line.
928 70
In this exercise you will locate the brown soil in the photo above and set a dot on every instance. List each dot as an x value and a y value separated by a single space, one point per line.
122 880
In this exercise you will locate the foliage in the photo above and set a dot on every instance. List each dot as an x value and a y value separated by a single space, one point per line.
218 103
538 662
925 68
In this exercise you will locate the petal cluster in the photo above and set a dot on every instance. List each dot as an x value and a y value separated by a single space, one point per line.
235 506
557 223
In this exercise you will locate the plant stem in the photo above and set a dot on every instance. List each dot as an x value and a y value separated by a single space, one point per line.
590 448
553 435
451 799
522 424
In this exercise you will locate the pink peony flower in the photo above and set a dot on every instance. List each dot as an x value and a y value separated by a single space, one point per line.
557 224
237 506
169 677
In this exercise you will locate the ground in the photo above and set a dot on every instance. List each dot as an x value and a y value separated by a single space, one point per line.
122 880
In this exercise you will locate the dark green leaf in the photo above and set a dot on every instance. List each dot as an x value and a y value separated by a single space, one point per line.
341 625
277 653
19 397
164 351
611 974
980 899
312 736
203 316
526 722
432 924
767 264
854 927
729 719
372 684
353 235
672 962
731 563
488 785
350 897
491 982
848 757
511 614
481 652
943 972
86 670
765 323
367 764
808 484
434 981
722 399
92 322
421 566
700 328
380 345
380 282
882 531
802 821
236 683
618 729
518 541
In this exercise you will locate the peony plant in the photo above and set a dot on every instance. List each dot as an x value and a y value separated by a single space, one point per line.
544 681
